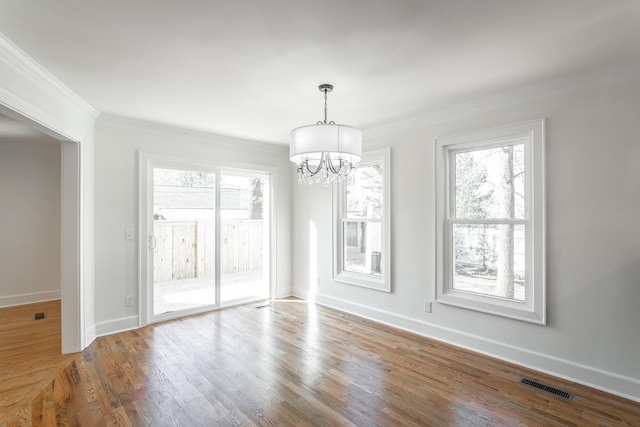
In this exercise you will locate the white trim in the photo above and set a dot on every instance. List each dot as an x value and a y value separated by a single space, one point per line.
121 324
72 258
382 283
272 243
531 134
30 298
596 378
302 293
21 62
90 334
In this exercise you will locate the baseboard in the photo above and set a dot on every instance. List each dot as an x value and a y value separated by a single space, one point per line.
90 335
30 298
586 375
283 294
116 325
300 293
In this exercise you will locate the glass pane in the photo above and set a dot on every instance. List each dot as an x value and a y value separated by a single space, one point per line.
184 230
490 183
244 237
364 192
362 247
490 260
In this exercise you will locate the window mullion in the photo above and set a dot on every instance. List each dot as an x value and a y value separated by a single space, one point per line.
489 221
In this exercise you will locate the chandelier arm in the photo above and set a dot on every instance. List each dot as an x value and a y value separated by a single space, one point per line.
342 167
318 169
331 166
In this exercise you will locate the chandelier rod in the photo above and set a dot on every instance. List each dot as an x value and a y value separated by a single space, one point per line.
325 106
326 88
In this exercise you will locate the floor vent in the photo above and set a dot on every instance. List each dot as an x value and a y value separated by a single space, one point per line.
264 304
546 388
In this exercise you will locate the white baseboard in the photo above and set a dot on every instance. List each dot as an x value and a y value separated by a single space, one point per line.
30 298
300 293
90 335
284 294
116 325
609 382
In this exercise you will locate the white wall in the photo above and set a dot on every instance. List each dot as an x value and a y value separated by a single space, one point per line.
593 238
116 203
30 225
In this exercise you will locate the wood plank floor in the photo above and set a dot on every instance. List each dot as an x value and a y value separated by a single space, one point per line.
292 363
29 353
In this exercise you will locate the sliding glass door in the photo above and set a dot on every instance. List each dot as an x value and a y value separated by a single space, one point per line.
244 233
184 210
208 238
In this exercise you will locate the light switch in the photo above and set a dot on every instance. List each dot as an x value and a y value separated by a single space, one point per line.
128 234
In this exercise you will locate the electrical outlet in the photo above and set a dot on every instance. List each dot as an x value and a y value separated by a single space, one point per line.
318 281
427 306
128 300
128 234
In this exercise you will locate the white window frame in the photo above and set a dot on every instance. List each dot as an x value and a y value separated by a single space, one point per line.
531 133
382 282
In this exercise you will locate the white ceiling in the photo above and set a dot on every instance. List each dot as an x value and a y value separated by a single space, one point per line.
250 68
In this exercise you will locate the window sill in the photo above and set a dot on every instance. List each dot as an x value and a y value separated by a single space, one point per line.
362 280
497 306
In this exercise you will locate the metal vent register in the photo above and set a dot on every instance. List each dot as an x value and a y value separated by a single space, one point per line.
563 394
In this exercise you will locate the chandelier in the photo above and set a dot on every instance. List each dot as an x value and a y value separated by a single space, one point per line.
325 152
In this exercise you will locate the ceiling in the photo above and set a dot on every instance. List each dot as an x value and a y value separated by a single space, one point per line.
250 68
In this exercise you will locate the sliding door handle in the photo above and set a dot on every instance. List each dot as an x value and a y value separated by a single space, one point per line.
152 241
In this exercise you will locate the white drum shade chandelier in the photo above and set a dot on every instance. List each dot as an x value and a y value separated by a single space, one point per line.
325 152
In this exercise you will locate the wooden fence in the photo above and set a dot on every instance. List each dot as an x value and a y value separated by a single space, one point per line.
186 249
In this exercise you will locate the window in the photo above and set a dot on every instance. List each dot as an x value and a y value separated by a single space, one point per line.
361 224
490 221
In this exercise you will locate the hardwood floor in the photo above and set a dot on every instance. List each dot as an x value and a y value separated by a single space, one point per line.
292 363
29 353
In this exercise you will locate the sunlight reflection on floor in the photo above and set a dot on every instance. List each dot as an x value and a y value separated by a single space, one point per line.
191 293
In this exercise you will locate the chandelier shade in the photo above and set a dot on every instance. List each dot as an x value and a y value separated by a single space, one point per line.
339 141
325 152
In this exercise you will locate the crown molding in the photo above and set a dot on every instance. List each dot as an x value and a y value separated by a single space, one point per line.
585 79
194 135
28 68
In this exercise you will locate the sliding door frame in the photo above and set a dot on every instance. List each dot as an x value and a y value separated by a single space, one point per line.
147 163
